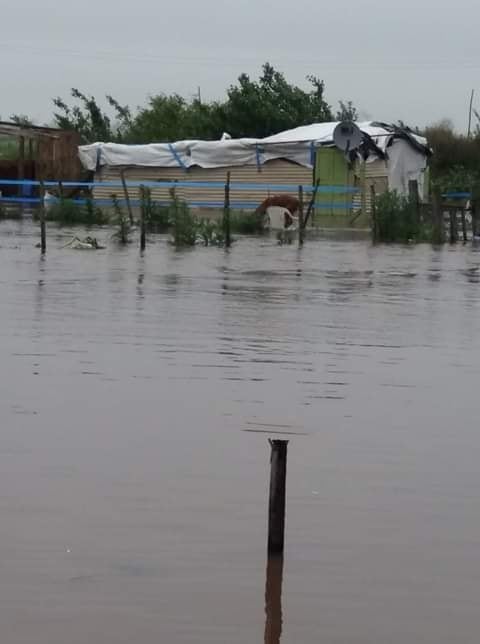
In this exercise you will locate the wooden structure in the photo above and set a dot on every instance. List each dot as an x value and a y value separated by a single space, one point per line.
43 153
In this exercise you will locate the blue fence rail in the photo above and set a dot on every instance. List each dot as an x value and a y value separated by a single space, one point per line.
27 188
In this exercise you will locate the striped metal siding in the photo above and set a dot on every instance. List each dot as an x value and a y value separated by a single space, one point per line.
272 172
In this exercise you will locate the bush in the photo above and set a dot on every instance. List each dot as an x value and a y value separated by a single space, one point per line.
185 225
69 212
121 220
211 233
397 219
246 223
157 218
458 178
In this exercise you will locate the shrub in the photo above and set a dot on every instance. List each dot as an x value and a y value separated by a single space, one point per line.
69 212
185 225
397 219
121 220
246 223
157 218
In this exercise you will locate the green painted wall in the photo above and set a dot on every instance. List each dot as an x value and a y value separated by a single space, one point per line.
331 169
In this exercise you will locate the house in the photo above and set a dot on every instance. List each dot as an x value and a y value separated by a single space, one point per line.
389 158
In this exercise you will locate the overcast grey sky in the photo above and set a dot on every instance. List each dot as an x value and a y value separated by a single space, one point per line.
414 60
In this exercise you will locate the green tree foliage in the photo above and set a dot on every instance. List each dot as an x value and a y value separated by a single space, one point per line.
271 104
173 118
454 154
346 112
89 120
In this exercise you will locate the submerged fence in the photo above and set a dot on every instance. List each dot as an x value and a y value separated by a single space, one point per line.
31 192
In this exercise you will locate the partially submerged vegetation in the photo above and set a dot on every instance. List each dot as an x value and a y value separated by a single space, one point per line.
397 219
176 218
69 212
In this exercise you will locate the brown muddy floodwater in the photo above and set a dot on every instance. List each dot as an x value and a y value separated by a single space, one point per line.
133 499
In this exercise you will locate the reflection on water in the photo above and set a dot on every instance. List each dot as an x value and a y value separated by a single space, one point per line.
136 400
273 600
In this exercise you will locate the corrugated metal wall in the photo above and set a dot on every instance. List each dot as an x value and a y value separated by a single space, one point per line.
272 172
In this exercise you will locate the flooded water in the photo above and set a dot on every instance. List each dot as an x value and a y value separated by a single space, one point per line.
137 397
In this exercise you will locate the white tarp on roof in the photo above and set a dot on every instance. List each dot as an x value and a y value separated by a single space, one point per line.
206 154
405 159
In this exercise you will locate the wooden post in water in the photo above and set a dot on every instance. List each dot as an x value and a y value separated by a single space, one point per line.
373 209
474 209
43 231
453 225
311 205
143 236
21 164
414 197
464 226
127 196
301 225
226 213
273 601
437 218
276 508
363 187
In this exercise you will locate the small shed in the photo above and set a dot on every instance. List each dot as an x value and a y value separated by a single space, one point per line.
40 153
389 158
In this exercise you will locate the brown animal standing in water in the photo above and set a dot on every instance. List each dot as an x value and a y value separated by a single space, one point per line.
292 204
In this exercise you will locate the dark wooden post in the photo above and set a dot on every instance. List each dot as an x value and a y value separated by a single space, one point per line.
127 196
276 508
437 218
311 205
43 231
453 225
464 225
301 226
373 210
414 197
143 236
226 213
21 164
474 201
273 601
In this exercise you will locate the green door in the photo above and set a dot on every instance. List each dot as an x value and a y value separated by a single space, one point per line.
331 169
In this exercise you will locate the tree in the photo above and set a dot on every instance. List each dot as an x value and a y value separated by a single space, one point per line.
347 112
89 120
271 104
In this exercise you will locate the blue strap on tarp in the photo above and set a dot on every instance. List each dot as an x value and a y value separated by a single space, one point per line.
257 156
176 156
312 153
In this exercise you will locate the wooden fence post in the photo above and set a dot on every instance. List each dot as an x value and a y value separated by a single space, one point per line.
301 227
143 236
276 508
473 206
373 210
226 213
437 217
464 225
21 164
414 197
43 231
127 196
453 225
